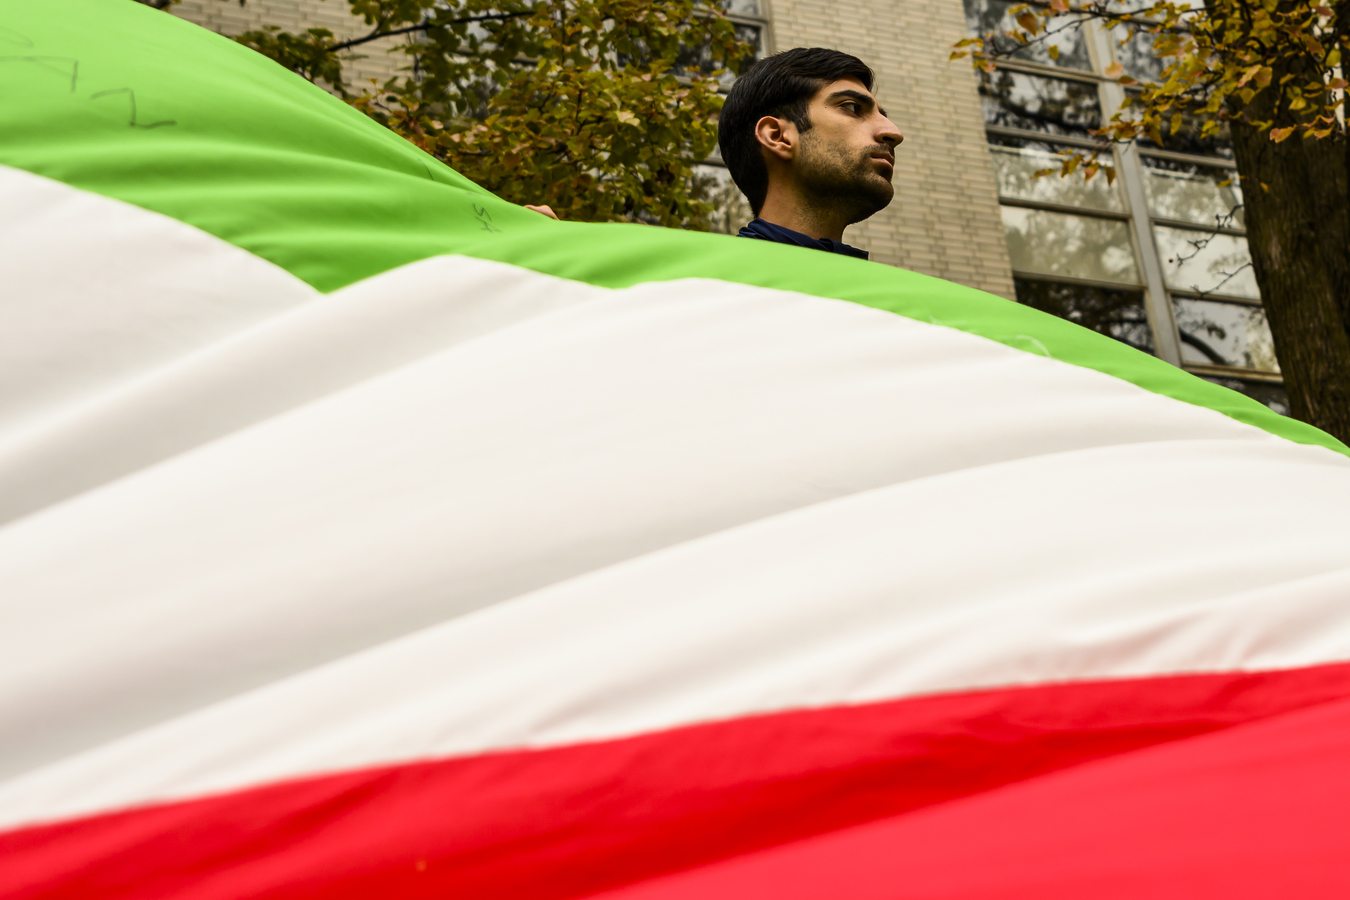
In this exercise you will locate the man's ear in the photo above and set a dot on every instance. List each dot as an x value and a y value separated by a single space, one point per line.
778 136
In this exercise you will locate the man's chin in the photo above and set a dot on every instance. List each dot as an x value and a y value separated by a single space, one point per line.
863 193
874 196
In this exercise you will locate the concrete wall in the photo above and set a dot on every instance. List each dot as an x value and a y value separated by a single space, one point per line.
944 220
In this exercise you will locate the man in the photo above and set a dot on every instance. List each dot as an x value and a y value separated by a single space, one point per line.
806 142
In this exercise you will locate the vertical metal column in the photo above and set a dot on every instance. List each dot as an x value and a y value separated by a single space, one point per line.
1130 171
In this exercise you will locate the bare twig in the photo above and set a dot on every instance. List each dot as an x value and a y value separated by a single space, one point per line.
424 25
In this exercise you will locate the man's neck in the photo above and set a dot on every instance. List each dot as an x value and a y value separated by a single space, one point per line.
792 213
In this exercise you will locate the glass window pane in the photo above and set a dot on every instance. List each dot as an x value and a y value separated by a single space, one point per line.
991 17
1134 52
1206 263
1051 243
1272 395
752 35
741 7
1142 6
1187 138
1052 105
1117 314
731 211
1225 334
1016 161
699 59
1191 193
1133 47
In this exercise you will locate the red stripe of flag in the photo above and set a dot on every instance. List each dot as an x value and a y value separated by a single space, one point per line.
567 821
1254 812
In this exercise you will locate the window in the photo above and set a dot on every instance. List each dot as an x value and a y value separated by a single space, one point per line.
1053 106
1016 162
731 211
1115 313
1158 260
1225 334
1188 192
992 16
750 25
1206 263
1041 242
1271 393
713 182
1069 240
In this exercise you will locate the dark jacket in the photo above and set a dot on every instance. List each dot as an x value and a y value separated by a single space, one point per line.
767 231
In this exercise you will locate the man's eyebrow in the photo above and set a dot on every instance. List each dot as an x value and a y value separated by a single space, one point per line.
862 98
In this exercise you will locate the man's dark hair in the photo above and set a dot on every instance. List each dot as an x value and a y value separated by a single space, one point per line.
781 85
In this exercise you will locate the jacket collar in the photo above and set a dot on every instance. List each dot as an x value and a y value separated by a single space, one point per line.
767 231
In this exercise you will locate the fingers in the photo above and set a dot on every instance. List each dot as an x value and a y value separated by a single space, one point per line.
542 210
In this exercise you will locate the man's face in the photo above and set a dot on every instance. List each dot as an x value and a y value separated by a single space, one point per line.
847 157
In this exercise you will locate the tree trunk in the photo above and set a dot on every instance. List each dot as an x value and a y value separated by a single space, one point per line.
1298 228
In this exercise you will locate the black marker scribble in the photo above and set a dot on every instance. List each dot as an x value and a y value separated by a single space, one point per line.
46 63
484 217
10 36
131 97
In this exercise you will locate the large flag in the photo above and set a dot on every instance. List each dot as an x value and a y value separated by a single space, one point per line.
366 536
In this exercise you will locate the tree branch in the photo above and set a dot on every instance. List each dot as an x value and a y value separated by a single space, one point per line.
1206 349
422 26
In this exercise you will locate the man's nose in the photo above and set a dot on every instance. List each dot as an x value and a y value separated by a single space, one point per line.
889 134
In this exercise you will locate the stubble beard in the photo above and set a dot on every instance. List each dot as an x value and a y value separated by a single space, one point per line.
848 184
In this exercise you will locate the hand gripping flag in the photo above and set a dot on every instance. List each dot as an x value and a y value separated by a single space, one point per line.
367 536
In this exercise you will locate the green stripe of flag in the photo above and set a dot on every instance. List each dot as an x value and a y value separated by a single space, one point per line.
122 100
